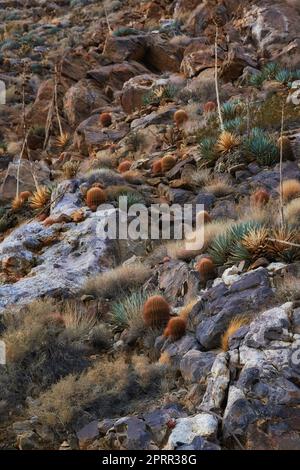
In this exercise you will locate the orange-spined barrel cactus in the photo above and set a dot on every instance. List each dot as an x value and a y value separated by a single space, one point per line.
124 166
105 119
180 117
95 197
206 269
156 311
157 167
167 163
176 328
209 107
260 198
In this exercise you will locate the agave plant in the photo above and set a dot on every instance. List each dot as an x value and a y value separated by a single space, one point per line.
231 109
278 244
283 76
257 79
127 311
227 248
261 147
234 125
207 149
40 198
270 70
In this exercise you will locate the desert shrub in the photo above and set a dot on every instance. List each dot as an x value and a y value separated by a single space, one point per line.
104 176
128 311
234 325
111 284
40 351
219 187
288 289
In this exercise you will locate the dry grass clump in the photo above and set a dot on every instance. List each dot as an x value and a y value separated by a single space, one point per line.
109 388
41 349
235 324
186 309
102 161
219 187
201 178
292 212
111 284
290 189
68 398
227 142
289 289
40 198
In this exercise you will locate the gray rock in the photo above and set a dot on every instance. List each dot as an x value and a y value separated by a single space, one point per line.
176 350
207 199
157 421
199 443
88 433
186 429
62 267
132 434
251 292
217 384
196 365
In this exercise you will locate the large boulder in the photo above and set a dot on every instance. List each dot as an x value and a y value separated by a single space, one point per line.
57 265
221 303
81 99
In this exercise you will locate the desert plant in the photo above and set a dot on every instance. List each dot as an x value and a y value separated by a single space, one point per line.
63 141
234 125
206 268
280 245
222 246
175 328
255 242
95 197
283 76
186 309
261 147
260 198
234 325
180 117
167 163
124 166
208 149
218 186
105 119
292 212
70 169
20 200
117 281
126 31
156 312
156 167
290 189
226 142
128 311
40 198
287 149
209 107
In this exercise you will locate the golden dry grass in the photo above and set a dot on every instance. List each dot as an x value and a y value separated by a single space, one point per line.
290 189
227 142
186 309
292 212
235 324
111 283
218 187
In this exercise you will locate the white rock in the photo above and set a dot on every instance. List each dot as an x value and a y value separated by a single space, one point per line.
231 275
203 424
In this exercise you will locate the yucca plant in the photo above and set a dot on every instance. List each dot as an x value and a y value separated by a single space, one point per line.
257 79
224 249
128 310
270 70
40 198
227 141
63 141
261 147
234 125
207 149
230 109
283 76
278 244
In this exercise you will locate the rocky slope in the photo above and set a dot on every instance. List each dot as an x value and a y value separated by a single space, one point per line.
119 98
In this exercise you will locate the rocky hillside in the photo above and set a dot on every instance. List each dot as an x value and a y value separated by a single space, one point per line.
149 344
